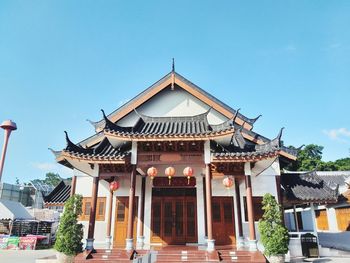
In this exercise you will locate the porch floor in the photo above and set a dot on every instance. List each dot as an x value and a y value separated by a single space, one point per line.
173 253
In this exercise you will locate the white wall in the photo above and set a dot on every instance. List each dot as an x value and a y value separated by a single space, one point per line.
173 103
263 183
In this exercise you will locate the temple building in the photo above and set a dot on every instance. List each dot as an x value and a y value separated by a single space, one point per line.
174 166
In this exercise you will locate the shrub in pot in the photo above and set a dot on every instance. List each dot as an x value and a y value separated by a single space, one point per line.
273 234
70 233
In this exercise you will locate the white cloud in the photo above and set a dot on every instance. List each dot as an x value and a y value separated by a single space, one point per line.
334 45
340 134
290 48
53 167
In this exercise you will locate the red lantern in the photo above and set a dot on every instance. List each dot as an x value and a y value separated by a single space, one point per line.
114 186
152 172
188 171
227 182
170 172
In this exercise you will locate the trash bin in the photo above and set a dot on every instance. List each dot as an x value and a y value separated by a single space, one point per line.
309 245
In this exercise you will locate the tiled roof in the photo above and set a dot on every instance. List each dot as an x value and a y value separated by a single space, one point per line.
59 194
307 187
184 126
240 148
102 151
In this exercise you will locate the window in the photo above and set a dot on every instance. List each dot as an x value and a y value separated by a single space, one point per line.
257 207
100 209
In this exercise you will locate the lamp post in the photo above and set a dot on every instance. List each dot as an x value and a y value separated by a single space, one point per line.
8 126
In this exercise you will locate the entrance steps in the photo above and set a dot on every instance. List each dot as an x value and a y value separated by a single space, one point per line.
233 255
184 255
171 254
101 255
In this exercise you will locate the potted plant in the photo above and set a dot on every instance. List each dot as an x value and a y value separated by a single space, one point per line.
273 234
69 235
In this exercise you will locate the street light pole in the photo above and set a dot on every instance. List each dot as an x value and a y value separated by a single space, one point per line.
8 126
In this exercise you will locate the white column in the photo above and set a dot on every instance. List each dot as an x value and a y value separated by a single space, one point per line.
332 219
314 224
147 215
200 210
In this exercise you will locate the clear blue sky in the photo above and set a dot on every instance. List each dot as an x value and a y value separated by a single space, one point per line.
62 61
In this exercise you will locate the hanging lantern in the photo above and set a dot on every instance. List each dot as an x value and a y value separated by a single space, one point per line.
188 172
170 172
152 172
114 186
227 182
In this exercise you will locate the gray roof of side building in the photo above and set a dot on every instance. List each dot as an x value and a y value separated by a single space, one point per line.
306 187
59 194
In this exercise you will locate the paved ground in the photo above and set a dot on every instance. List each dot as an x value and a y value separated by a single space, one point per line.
24 256
321 260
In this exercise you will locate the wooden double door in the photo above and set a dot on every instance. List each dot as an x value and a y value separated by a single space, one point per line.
223 220
121 220
174 219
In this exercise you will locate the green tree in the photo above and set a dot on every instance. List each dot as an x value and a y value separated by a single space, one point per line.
343 164
310 158
273 234
70 233
50 178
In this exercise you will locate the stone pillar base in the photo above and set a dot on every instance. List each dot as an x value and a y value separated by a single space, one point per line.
108 244
140 242
240 242
252 245
129 244
210 244
89 244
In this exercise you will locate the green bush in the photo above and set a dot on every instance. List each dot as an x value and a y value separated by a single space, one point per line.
70 233
273 234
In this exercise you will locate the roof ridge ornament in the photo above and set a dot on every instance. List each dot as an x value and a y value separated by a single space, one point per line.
235 116
173 75
56 153
70 145
255 119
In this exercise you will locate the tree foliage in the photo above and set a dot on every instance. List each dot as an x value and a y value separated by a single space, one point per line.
273 234
310 158
50 179
70 233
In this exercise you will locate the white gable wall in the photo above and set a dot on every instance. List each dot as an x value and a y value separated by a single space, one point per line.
173 103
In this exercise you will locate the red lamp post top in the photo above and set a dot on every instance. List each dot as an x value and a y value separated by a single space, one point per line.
8 125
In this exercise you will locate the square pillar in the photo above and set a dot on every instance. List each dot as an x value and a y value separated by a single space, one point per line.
240 238
141 215
130 228
208 193
131 213
109 222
